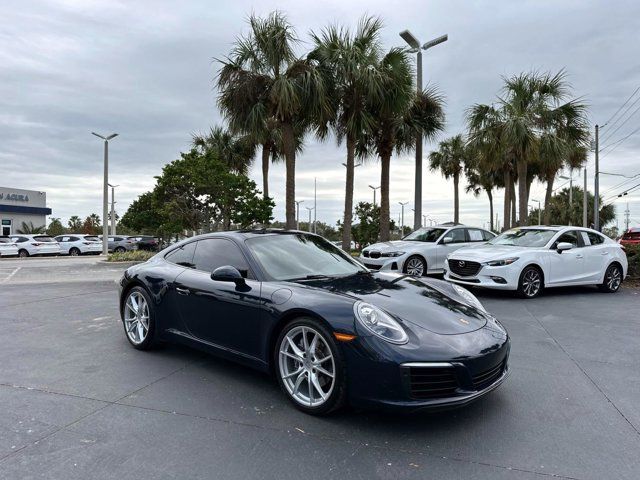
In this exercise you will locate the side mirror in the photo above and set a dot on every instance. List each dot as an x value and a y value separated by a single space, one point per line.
562 246
446 240
227 273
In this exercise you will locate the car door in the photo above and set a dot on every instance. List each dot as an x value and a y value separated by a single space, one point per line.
220 313
597 255
63 240
458 239
568 266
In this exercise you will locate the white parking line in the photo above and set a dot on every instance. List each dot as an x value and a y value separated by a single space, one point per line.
8 277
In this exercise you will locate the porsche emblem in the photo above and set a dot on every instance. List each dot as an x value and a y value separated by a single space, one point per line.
462 320
461 263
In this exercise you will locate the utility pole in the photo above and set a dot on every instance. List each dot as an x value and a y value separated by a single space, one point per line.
315 205
627 214
105 192
113 210
596 189
298 202
584 201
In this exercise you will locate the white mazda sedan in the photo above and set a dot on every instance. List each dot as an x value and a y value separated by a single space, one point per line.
423 251
529 259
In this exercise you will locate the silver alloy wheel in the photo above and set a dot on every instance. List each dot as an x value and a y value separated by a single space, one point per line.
136 317
613 278
531 282
307 367
74 252
415 267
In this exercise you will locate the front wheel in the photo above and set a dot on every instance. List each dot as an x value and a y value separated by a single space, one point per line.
612 279
138 319
530 284
415 266
23 253
310 368
120 250
74 252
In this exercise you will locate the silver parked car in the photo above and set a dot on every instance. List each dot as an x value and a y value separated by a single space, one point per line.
8 248
39 244
79 244
120 244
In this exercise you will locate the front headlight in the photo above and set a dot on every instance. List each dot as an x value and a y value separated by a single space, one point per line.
379 323
469 297
501 263
391 254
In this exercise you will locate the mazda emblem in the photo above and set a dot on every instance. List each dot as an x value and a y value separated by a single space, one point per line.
461 263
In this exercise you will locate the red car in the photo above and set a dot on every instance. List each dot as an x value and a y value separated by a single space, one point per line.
631 237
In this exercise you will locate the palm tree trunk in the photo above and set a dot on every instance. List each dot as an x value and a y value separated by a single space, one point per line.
547 199
490 195
513 204
456 199
522 190
348 196
385 163
266 155
290 163
506 212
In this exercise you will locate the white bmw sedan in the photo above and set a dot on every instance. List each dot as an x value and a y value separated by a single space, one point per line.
423 251
529 259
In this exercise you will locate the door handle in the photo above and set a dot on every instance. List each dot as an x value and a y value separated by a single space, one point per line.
604 253
579 256
183 291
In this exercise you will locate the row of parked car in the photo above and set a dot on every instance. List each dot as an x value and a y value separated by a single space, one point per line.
72 244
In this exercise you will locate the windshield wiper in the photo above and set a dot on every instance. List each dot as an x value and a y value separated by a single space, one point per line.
309 277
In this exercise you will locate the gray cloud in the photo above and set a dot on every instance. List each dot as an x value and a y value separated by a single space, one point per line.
145 70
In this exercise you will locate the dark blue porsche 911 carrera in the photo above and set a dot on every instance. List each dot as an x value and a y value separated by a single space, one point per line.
330 330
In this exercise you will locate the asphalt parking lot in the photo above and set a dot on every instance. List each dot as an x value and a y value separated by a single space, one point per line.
77 402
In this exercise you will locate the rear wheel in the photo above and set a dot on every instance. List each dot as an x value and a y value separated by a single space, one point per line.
415 266
530 284
119 249
309 367
612 279
23 253
74 252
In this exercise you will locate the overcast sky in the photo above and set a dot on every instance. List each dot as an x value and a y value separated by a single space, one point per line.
145 70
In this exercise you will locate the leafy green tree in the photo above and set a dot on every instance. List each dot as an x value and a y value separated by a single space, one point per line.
350 64
264 85
561 214
28 228
74 224
55 227
450 159
143 215
366 231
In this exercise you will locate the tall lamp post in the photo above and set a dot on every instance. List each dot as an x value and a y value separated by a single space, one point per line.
374 192
311 209
113 208
570 178
413 42
298 202
402 204
105 191
539 210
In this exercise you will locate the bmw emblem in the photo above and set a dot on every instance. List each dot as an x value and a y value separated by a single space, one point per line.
461 263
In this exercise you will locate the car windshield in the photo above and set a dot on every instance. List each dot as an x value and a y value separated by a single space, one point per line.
521 237
44 239
631 236
425 235
91 238
300 256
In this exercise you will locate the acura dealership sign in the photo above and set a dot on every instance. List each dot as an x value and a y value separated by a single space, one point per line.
16 197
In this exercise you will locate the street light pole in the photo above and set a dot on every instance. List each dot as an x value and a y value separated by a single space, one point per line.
584 201
374 193
596 184
310 210
413 42
298 202
105 191
315 205
402 219
113 211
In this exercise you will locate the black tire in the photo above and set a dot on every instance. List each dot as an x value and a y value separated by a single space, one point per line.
120 250
149 341
409 265
531 282
74 252
337 397
23 253
612 279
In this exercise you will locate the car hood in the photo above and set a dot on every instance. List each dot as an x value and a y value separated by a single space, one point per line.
429 304
392 246
483 253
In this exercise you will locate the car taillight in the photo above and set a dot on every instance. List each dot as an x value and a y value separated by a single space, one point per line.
86 243
36 244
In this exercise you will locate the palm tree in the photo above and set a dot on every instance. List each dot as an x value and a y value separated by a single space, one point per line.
481 176
235 151
397 115
351 62
450 159
264 85
30 228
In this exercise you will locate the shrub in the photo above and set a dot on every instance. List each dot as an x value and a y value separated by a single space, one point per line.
633 257
130 256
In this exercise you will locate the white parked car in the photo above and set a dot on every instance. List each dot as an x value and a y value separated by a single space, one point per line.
79 244
529 259
8 247
423 251
39 244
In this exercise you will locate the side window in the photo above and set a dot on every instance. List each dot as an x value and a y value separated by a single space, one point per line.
72 239
183 255
569 237
212 253
487 235
457 234
475 235
594 238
